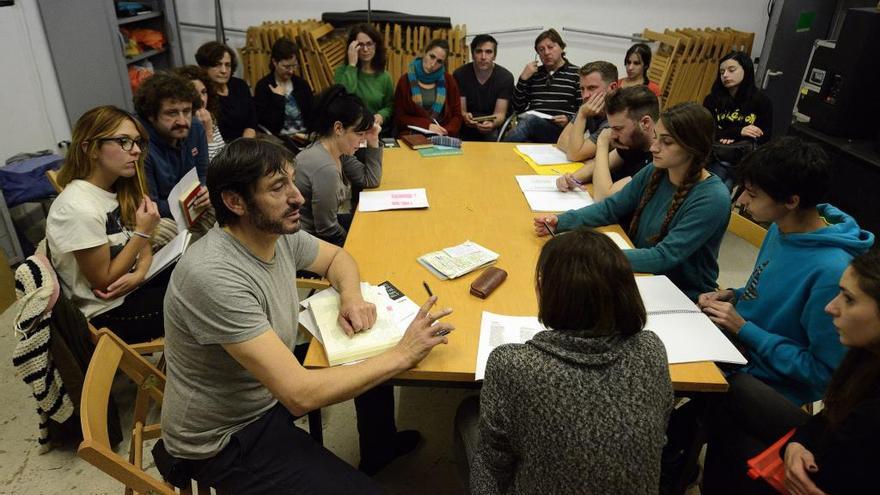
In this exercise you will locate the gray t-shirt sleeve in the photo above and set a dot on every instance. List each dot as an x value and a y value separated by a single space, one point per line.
303 247
222 307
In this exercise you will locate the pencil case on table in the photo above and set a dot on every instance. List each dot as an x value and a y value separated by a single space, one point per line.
488 281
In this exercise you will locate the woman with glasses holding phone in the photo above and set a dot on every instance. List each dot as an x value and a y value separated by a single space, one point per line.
283 99
427 96
99 228
364 75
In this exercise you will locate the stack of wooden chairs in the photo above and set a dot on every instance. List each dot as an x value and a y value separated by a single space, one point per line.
322 48
685 61
404 43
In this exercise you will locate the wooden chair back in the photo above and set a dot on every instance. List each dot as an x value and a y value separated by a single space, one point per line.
746 229
112 355
52 176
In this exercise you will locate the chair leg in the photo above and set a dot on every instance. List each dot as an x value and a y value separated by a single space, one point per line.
315 428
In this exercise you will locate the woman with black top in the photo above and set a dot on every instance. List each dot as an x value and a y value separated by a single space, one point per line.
283 99
835 450
741 110
238 118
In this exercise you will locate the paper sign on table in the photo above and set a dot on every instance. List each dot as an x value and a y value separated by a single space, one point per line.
396 199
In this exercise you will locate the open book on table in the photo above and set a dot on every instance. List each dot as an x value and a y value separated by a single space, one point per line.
394 313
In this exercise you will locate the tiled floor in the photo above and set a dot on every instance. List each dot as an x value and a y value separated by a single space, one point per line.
430 470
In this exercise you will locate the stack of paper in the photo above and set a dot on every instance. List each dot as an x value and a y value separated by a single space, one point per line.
456 261
541 193
496 330
393 316
396 199
688 334
543 154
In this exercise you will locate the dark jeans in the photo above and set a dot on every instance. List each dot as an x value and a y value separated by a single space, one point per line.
741 424
471 134
273 456
140 317
531 129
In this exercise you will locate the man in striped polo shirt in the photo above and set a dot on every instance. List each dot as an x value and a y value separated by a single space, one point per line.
547 94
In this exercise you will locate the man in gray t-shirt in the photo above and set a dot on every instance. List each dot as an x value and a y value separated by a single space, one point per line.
234 385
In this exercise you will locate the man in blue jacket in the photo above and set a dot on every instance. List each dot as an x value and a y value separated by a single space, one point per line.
164 104
779 316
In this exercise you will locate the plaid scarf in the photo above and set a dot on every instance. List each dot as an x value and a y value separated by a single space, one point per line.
416 74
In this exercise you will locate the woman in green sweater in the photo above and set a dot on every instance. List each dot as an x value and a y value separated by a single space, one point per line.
677 211
365 74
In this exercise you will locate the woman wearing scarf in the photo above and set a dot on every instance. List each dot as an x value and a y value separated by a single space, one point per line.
427 96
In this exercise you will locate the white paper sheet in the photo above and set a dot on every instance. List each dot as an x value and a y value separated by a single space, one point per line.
541 194
168 254
496 330
619 240
538 114
546 183
397 199
421 129
543 154
688 334
183 184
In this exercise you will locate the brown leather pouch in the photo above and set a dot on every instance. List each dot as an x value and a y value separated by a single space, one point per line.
488 281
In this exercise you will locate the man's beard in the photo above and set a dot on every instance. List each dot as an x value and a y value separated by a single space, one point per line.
271 225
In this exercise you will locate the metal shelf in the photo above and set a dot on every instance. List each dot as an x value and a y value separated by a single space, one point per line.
142 56
140 17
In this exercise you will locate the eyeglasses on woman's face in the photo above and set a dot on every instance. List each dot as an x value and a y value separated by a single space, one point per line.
124 142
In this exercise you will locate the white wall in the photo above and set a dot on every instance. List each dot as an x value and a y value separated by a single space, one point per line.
515 50
32 115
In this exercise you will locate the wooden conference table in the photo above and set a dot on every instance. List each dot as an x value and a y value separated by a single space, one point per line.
473 196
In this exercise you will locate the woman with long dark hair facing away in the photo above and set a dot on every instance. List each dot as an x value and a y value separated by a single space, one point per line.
328 169
678 212
741 110
98 229
835 450
427 95
582 407
637 62
364 73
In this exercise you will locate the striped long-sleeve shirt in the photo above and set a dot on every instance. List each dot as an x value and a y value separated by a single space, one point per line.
555 94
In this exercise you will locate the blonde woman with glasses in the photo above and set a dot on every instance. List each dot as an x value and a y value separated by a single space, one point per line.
99 228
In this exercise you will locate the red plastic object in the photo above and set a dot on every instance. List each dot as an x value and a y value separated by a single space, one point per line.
770 466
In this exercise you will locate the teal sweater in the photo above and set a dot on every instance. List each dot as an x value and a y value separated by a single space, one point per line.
688 255
376 90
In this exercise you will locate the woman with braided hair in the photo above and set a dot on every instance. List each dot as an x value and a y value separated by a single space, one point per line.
678 210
